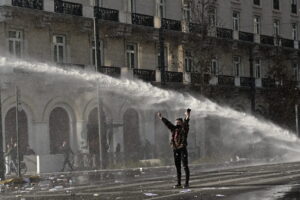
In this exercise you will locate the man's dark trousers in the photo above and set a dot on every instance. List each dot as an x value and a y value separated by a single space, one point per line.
182 155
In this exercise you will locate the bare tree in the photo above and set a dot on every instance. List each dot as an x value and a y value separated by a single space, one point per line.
201 41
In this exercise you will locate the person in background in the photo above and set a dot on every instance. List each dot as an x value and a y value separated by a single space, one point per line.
67 151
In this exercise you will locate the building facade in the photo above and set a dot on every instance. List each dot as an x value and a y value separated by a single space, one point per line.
255 48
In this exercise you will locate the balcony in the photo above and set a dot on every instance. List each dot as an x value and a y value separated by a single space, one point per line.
287 43
144 20
175 77
170 24
106 14
32 4
289 84
246 81
226 80
195 28
247 37
196 78
110 71
144 74
225 33
268 40
69 8
268 83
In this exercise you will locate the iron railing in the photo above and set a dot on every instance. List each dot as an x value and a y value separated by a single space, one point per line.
226 80
265 39
32 4
145 74
246 81
173 77
268 83
287 43
144 20
247 37
195 28
111 71
224 33
106 14
196 78
171 24
69 8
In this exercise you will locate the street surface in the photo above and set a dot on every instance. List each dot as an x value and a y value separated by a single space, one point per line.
271 181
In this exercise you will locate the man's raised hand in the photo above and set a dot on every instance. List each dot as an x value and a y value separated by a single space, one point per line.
159 115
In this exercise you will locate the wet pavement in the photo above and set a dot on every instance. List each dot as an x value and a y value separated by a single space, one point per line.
272 181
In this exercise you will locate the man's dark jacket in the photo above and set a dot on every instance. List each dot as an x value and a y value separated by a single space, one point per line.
179 133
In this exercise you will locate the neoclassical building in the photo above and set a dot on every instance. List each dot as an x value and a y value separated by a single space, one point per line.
255 49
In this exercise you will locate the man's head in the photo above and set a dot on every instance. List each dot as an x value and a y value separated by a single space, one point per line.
178 122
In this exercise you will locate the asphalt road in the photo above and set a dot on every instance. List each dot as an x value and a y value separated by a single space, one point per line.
248 182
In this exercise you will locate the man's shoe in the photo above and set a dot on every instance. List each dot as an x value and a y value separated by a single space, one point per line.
177 186
186 186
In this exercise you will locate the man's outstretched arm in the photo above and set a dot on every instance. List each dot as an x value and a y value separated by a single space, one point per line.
166 122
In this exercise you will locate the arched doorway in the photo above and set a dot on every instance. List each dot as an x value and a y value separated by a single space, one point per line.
132 143
59 129
10 128
93 137
162 138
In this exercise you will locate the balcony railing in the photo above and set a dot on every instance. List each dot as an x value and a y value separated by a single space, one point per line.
226 80
69 8
176 77
106 14
171 24
268 83
246 81
145 74
289 83
144 20
224 33
32 4
195 28
287 43
196 78
111 71
269 40
247 37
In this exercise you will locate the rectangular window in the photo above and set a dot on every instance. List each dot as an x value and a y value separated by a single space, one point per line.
276 27
256 2
256 23
165 57
236 21
212 16
101 52
15 40
296 71
276 4
131 54
186 11
59 48
237 65
257 68
188 61
161 8
214 67
294 6
294 31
